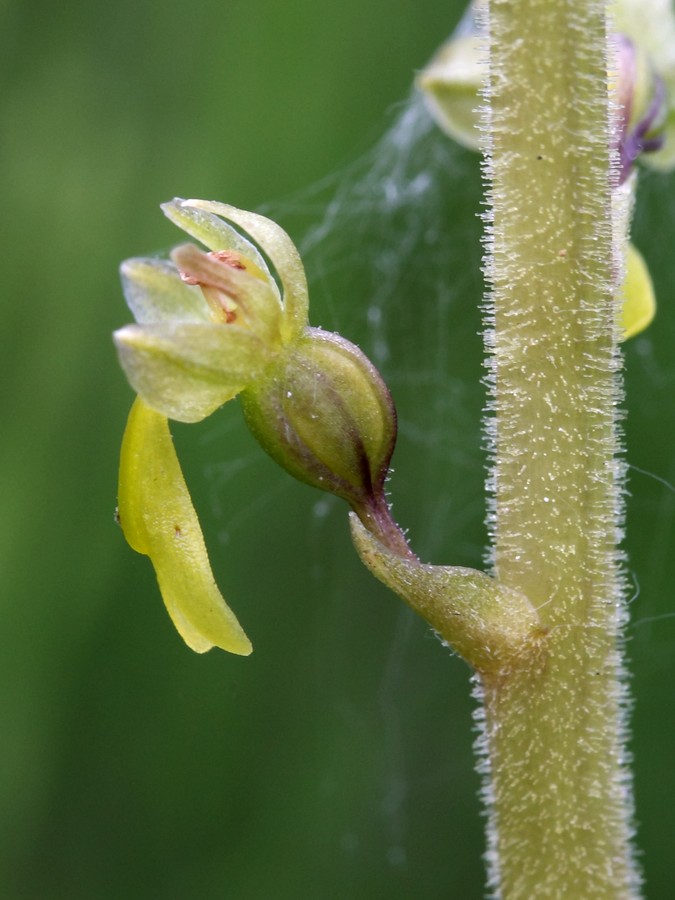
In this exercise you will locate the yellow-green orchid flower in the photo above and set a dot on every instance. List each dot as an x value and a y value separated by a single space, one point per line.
209 326
206 327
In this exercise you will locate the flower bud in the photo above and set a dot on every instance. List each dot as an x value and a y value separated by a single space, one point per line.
326 416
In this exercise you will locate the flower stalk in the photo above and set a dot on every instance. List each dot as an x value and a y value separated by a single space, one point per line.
559 794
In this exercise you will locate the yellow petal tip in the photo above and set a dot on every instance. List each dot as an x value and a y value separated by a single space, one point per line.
638 300
159 520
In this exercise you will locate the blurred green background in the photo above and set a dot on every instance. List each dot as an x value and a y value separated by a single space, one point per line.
337 760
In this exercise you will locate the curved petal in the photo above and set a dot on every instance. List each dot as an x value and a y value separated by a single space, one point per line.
215 234
158 520
186 371
638 301
259 308
155 293
282 253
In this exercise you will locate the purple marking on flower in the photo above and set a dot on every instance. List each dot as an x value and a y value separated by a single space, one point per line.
635 139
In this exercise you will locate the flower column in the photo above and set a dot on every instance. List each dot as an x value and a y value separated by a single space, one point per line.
559 798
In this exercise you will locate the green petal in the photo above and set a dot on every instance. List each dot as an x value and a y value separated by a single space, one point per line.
639 303
215 234
186 371
280 250
158 520
155 293
259 308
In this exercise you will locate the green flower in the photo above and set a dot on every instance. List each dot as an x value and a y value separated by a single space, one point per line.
212 325
208 324
644 86
451 83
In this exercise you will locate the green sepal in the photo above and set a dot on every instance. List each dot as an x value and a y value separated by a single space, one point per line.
155 293
187 370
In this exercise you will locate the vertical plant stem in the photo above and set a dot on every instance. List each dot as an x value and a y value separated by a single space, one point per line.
559 794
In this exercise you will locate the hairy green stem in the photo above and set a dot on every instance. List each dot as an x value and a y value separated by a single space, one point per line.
558 791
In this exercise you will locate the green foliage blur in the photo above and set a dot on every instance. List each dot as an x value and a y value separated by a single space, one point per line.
336 762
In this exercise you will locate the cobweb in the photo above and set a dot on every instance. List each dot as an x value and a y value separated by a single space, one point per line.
392 249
